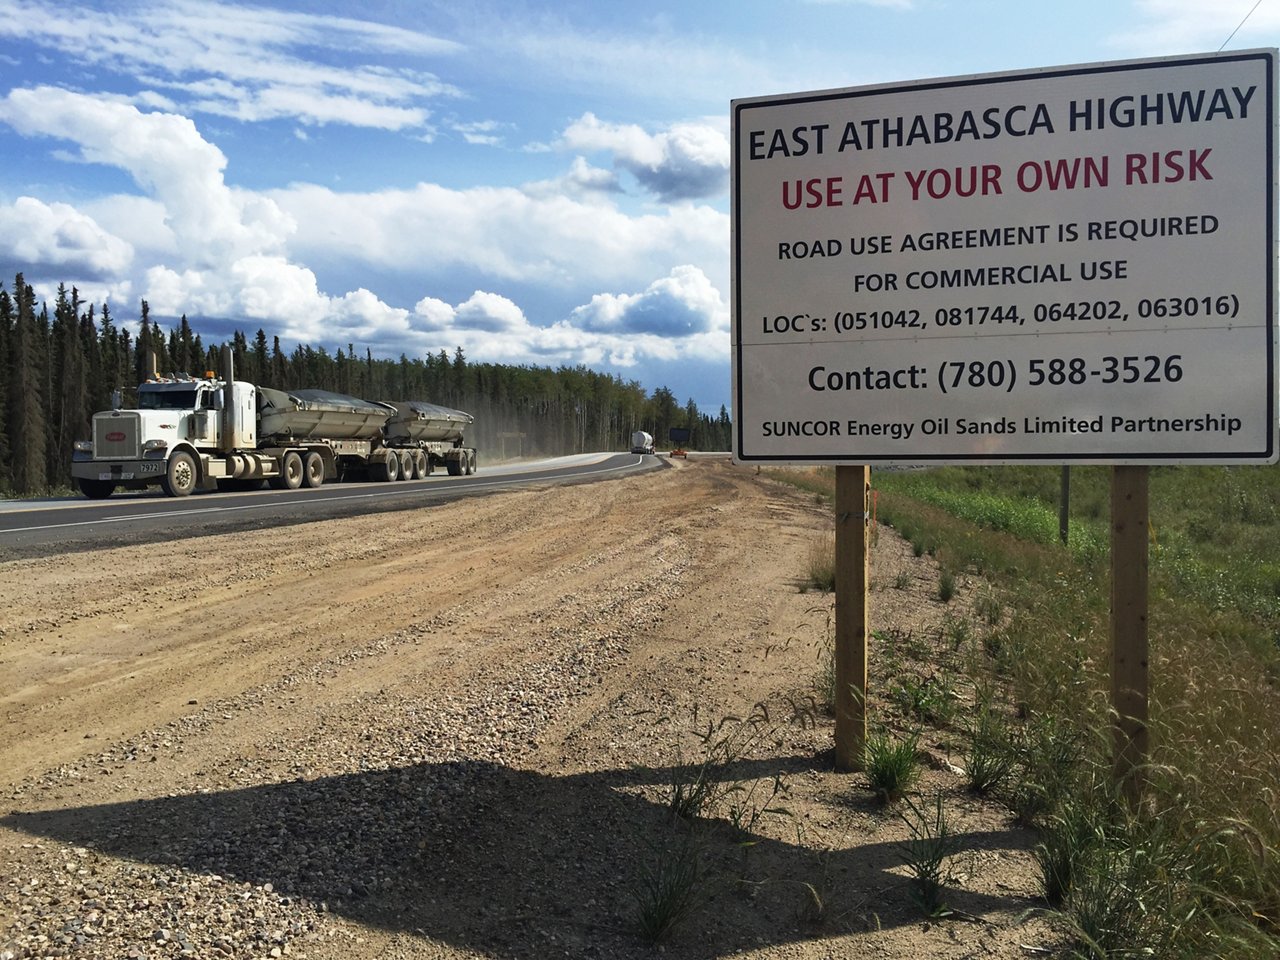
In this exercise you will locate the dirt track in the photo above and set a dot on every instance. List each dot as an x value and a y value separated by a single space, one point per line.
451 733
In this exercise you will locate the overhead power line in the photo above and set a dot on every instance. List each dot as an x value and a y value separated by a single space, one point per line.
1240 24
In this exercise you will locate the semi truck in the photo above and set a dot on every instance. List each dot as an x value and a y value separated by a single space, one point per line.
642 442
191 434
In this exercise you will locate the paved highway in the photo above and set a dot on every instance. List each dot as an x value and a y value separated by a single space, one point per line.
41 527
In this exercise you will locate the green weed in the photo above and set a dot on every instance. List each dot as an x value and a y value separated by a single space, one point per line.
926 853
1069 839
892 766
697 786
946 585
670 888
988 607
929 699
992 753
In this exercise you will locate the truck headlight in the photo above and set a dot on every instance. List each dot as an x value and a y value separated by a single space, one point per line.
83 446
152 445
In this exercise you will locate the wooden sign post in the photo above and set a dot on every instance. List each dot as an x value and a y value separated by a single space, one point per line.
1129 652
853 528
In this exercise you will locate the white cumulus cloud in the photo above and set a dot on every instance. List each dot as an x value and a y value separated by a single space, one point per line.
41 234
166 155
677 316
685 162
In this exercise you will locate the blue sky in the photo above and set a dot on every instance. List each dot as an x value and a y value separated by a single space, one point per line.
541 183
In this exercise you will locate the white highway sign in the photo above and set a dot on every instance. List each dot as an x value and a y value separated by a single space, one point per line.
1074 264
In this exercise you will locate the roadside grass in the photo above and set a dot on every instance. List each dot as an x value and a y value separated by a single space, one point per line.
1195 871
926 854
713 808
893 765
820 570
670 889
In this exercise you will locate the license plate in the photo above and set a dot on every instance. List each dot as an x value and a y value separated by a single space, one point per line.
115 476
156 467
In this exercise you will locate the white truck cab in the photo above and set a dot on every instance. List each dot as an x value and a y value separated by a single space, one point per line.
162 441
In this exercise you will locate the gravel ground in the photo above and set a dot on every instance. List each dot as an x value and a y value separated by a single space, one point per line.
454 732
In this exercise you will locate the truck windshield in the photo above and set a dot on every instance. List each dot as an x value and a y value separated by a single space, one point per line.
166 399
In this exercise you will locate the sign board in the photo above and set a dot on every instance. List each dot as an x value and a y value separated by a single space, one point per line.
1073 264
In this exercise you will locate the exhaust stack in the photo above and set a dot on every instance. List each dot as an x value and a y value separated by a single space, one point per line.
229 435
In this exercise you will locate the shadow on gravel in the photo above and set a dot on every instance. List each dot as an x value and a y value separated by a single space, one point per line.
512 863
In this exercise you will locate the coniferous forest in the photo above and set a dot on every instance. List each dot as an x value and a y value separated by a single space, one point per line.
60 365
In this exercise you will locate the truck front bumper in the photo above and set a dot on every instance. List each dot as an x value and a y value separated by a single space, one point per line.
119 471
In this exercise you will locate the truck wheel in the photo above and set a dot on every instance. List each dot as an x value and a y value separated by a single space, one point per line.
180 477
385 469
406 464
291 471
455 466
96 489
313 470
472 463
420 465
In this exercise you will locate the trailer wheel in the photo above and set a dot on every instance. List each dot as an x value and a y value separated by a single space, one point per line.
455 466
420 465
95 489
291 471
312 470
180 477
386 468
406 464
474 461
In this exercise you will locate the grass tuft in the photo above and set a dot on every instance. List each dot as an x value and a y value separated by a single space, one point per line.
892 766
927 852
669 890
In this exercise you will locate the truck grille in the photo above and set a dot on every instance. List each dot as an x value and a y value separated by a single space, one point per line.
115 436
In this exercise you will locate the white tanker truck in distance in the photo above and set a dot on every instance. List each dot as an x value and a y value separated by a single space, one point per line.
641 442
190 434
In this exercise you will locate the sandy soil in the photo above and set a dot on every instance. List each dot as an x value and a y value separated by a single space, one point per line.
454 732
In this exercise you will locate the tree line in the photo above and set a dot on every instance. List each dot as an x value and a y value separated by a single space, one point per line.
61 366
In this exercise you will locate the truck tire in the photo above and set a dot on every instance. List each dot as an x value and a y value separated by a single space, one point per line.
421 465
406 464
95 489
456 466
180 477
385 469
312 470
291 471
471 463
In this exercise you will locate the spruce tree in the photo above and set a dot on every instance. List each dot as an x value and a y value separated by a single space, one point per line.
26 396
6 352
